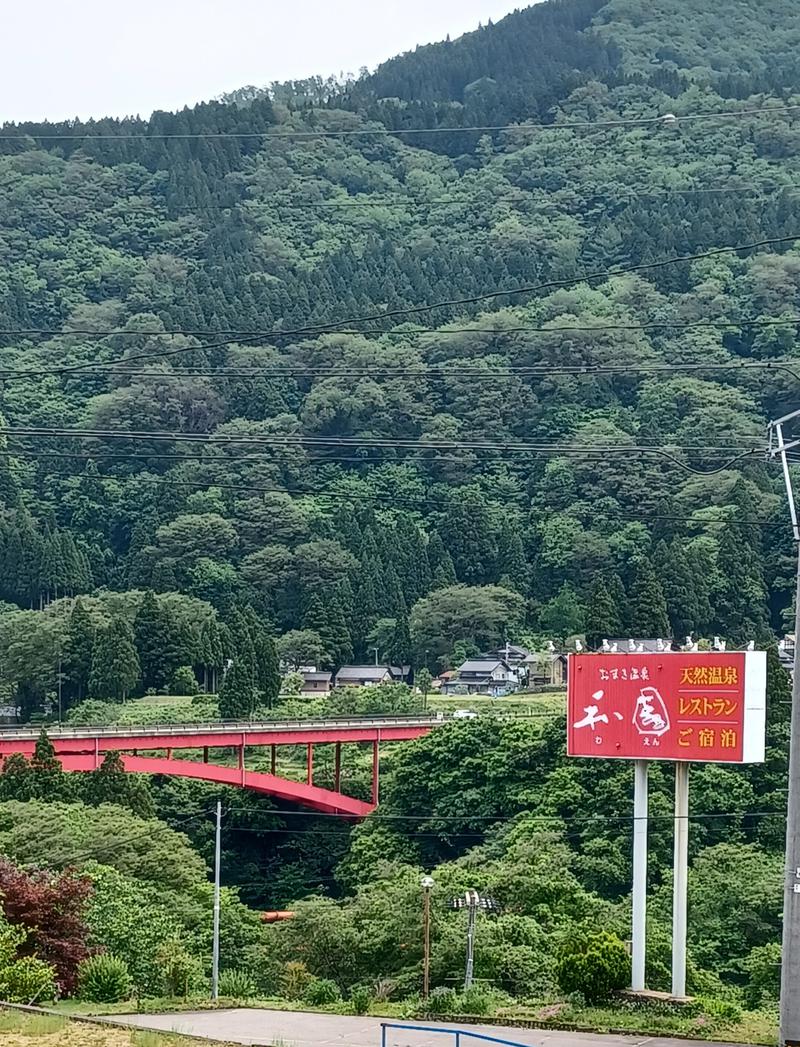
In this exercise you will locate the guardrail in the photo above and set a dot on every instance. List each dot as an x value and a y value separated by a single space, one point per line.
458 1033
15 733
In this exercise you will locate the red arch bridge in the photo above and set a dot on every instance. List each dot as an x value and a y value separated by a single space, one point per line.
83 749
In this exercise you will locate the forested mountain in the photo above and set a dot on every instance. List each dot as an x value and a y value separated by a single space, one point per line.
247 297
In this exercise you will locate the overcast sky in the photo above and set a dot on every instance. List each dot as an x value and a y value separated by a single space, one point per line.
66 58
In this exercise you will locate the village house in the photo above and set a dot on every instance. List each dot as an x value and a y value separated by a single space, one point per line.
490 676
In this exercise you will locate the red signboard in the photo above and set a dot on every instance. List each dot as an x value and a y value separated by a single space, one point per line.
705 707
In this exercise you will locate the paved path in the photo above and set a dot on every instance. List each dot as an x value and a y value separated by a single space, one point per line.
261 1028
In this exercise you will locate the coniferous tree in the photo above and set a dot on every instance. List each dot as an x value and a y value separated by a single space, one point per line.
603 617
400 650
268 673
512 566
115 665
110 783
237 695
49 779
648 608
741 610
78 651
683 591
151 635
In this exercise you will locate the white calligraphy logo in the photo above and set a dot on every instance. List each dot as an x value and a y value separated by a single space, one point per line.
650 716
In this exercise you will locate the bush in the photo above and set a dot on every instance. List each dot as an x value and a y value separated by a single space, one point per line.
322 991
237 985
28 980
180 971
360 999
295 980
183 681
476 1001
104 979
595 965
441 1001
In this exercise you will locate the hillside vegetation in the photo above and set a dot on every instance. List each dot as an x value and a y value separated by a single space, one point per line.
488 379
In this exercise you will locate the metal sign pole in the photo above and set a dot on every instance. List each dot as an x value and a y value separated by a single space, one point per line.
640 820
681 880
473 911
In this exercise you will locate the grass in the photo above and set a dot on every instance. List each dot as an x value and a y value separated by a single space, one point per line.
516 705
18 1029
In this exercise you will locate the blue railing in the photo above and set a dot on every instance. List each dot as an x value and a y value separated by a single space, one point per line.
459 1034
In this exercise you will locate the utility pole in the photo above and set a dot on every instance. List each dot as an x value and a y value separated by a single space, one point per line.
473 911
790 959
217 864
427 886
472 901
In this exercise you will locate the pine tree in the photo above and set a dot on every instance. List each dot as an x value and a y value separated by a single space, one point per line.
268 673
110 783
49 779
741 608
115 665
687 608
237 696
512 566
400 652
151 635
648 608
78 651
603 617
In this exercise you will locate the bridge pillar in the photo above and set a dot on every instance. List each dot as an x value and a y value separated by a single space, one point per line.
337 768
205 754
169 754
376 772
241 759
310 762
273 759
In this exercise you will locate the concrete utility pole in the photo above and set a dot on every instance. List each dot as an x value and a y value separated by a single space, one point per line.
427 886
790 962
217 864
639 928
681 876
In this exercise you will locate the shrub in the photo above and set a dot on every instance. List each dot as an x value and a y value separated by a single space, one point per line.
441 1001
476 1001
28 980
322 991
237 985
595 965
183 681
180 971
295 979
360 999
104 979
384 989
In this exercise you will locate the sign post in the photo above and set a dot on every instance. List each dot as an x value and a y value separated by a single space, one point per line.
640 818
681 707
680 889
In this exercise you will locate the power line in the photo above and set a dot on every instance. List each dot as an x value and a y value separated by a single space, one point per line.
666 119
434 371
498 332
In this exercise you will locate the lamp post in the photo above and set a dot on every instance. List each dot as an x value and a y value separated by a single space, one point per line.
427 886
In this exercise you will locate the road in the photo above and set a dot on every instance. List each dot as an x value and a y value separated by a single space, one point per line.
262 1028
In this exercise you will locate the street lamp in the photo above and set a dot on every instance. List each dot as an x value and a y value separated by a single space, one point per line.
427 884
472 901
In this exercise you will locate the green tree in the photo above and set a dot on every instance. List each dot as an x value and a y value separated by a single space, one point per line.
604 618
237 696
648 608
115 664
482 615
268 673
78 651
564 615
151 631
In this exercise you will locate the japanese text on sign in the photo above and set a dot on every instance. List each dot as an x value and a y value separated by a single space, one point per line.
671 706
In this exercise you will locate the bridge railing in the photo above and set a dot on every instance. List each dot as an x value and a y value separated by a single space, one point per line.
461 1035
14 732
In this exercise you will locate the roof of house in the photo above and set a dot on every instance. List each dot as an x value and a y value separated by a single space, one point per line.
482 665
363 672
510 651
309 677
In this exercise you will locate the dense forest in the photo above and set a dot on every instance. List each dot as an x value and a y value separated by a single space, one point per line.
476 348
